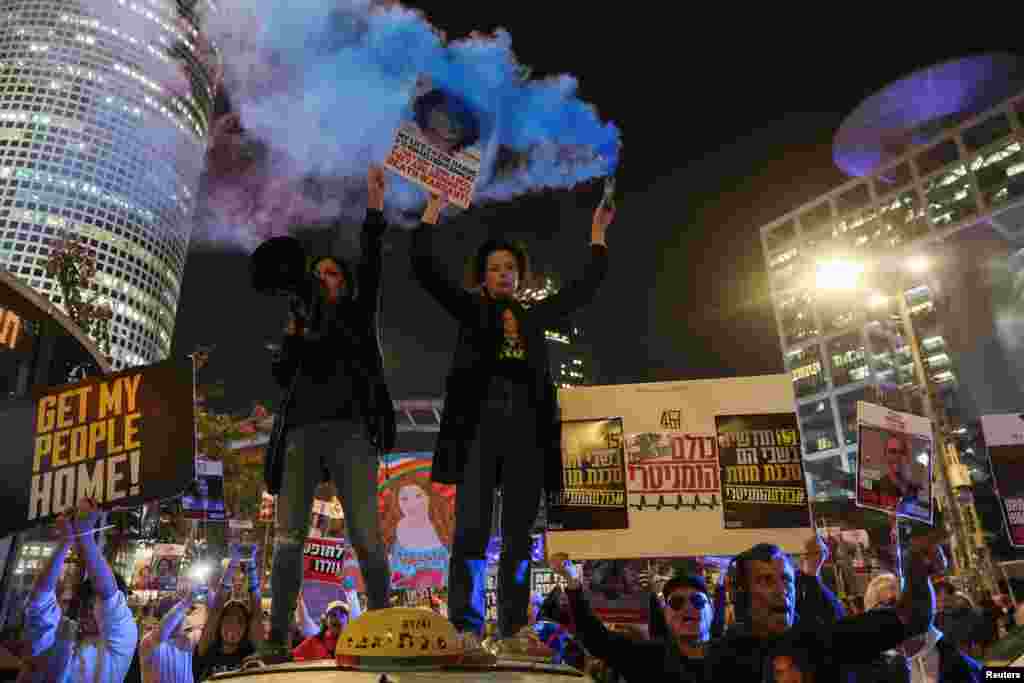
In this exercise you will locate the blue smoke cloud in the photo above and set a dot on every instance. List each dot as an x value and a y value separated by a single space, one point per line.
318 92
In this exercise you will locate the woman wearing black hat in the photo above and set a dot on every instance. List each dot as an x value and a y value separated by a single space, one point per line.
676 649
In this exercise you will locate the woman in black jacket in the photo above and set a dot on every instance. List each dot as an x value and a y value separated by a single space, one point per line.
336 414
500 426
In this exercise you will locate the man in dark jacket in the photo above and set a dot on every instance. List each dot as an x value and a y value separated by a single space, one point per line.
677 644
332 367
921 659
500 426
764 585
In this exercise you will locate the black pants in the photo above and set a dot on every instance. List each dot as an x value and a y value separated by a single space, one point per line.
506 446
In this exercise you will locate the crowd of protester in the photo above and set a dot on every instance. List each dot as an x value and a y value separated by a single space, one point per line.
780 623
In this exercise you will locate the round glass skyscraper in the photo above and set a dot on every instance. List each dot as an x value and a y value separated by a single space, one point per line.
105 108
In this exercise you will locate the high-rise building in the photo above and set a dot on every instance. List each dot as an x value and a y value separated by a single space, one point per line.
104 113
939 181
569 356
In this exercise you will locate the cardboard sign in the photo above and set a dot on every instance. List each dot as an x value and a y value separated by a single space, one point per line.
672 470
894 462
122 439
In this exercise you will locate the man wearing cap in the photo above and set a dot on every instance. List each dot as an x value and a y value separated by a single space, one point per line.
686 608
323 644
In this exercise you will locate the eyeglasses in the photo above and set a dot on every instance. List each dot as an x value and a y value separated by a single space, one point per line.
678 601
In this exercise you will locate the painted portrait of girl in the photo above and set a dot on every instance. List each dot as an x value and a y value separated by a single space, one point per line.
416 524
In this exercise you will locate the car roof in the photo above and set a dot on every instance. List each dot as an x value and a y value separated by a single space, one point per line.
326 671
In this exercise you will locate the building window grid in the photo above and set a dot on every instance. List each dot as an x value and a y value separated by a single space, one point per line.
175 249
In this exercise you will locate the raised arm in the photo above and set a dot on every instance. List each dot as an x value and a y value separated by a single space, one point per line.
614 648
43 614
255 597
916 608
453 298
371 259
119 629
582 291
219 596
306 623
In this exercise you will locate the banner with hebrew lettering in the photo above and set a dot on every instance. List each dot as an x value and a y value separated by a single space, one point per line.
762 472
673 483
593 494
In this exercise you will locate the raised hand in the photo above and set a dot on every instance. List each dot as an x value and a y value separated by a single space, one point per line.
603 217
435 205
815 554
376 185
65 529
87 514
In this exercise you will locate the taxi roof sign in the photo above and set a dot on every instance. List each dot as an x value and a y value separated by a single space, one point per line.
399 637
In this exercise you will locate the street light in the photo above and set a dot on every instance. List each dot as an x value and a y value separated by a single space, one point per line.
918 264
839 274
844 275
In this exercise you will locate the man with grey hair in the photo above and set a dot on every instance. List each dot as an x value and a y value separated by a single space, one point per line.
925 658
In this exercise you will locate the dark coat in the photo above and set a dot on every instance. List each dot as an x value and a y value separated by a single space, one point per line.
834 650
638 661
481 334
954 667
371 392
816 605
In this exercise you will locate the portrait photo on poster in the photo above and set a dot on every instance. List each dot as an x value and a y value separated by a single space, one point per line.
204 498
440 141
894 469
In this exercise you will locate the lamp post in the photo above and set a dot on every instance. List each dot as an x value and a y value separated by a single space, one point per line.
952 477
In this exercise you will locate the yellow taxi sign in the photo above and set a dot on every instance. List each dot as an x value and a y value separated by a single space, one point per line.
399 637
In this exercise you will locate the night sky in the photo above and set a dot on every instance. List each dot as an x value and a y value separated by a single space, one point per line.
720 138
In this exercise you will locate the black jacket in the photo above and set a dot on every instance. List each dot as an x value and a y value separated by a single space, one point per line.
299 355
480 337
954 667
834 650
816 605
638 661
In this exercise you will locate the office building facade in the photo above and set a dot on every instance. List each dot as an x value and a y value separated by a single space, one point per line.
931 201
569 355
104 114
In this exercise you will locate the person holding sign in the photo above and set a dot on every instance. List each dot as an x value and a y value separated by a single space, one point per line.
764 588
676 652
501 424
333 368
68 651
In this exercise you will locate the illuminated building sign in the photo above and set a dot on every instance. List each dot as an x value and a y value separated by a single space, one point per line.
812 370
10 330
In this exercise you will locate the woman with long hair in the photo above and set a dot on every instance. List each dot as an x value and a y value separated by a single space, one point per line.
233 628
501 427
323 644
416 528
337 415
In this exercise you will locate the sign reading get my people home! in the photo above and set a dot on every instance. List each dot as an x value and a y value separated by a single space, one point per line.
120 439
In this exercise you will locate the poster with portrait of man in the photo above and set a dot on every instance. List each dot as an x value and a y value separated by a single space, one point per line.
441 141
894 463
204 498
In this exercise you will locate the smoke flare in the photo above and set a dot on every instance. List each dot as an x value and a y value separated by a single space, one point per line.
316 93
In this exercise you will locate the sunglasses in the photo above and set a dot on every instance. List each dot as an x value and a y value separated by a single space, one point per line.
678 601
